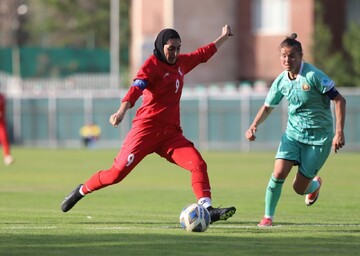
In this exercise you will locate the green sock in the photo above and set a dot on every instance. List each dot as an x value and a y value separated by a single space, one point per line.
272 195
314 185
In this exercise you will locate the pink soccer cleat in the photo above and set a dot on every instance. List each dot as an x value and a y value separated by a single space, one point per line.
265 222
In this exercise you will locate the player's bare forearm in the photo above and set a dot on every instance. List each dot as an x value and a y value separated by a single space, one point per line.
118 116
340 112
260 117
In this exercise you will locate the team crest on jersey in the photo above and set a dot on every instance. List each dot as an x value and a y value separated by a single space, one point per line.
305 87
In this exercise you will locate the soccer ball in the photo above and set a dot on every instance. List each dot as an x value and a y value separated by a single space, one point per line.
194 218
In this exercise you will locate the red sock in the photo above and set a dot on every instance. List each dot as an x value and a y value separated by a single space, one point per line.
200 183
92 184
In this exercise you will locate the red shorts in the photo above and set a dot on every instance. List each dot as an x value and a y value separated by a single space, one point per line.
168 143
142 141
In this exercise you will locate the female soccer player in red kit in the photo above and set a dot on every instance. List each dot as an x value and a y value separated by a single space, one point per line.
3 133
156 126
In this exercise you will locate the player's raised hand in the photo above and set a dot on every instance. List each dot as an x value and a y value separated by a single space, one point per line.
226 30
225 33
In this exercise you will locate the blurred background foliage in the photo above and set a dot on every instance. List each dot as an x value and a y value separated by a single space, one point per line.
70 23
60 35
343 65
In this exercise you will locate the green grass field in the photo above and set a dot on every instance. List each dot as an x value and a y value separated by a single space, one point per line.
140 215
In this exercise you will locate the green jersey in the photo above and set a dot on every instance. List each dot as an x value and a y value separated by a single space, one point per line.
310 118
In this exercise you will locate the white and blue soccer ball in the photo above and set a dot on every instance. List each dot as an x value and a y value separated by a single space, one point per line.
194 218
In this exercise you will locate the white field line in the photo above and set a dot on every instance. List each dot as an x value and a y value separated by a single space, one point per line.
153 227
288 226
30 227
225 226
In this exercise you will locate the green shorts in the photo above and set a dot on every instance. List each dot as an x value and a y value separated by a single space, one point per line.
310 158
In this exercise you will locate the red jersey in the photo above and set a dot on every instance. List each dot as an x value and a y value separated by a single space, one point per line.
161 86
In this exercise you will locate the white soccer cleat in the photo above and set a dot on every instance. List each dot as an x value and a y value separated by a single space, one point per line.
8 160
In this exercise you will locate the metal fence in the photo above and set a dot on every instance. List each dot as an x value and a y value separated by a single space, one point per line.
50 114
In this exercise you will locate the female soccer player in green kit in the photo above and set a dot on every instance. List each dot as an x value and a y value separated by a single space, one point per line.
309 135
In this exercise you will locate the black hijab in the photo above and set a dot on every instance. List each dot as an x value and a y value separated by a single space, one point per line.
161 40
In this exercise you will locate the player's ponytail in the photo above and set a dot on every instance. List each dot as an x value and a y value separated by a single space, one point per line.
290 41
